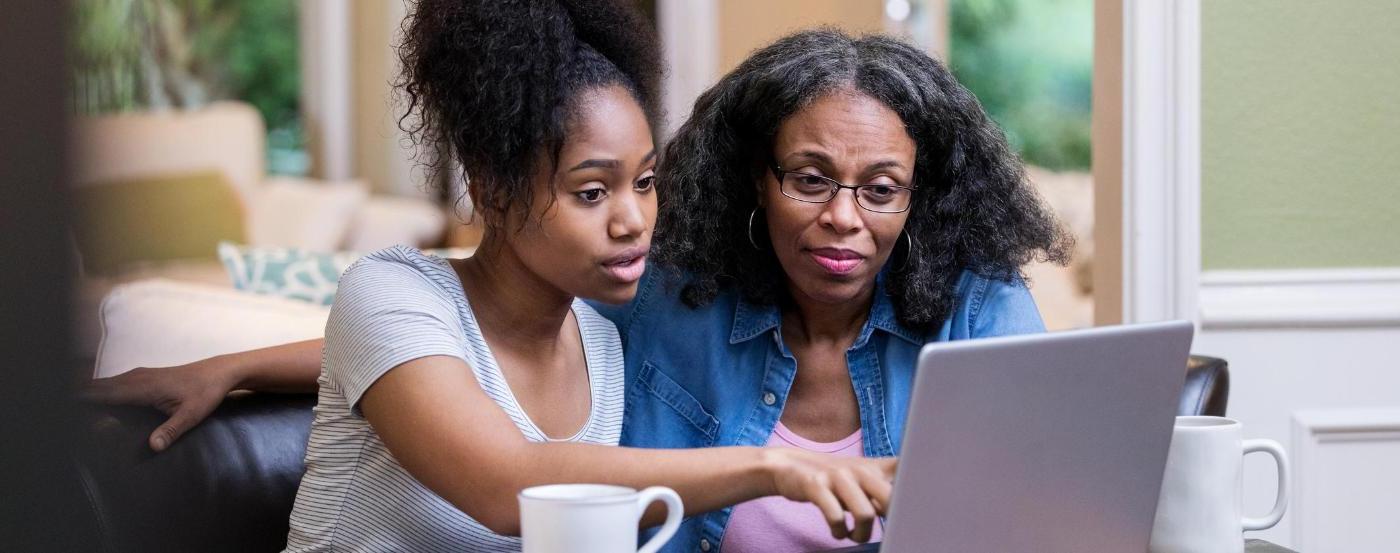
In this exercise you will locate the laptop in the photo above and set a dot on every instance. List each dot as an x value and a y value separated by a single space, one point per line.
1049 443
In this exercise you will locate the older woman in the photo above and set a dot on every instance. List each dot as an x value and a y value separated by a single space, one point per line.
830 206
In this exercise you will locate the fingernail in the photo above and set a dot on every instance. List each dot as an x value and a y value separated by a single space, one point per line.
160 443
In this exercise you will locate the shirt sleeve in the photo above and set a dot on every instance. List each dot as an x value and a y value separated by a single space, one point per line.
386 314
1007 309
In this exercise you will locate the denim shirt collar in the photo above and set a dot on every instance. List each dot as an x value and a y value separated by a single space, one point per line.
753 319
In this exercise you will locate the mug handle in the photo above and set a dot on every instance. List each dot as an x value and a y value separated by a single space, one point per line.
1281 502
673 515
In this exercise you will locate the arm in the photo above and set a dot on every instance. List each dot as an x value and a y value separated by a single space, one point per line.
451 436
188 393
288 368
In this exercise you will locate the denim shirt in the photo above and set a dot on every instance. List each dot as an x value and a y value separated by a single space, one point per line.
720 374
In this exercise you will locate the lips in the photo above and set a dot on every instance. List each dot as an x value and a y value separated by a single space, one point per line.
627 266
836 261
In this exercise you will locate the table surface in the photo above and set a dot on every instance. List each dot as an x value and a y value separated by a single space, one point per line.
1250 546
1261 546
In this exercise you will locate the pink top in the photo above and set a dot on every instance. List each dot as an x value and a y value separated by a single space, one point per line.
775 524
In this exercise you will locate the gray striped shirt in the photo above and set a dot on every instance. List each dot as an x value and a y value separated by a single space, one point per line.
394 306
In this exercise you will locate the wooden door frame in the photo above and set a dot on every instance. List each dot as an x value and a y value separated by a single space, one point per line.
1146 152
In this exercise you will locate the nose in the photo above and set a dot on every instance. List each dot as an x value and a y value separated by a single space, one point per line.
628 218
841 214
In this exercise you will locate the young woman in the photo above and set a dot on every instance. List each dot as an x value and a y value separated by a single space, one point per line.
831 205
449 385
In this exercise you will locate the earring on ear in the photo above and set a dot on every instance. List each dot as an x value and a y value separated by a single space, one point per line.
751 240
908 249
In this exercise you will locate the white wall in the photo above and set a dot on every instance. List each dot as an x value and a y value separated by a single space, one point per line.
1314 354
1315 364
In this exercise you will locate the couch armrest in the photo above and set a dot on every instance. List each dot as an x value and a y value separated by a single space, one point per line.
1207 387
147 324
384 221
227 485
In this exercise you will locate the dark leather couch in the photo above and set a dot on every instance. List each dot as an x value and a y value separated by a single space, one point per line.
229 484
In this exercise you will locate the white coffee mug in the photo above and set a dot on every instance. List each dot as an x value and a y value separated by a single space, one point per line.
593 518
1201 505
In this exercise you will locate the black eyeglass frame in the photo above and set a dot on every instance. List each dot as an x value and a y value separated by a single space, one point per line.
837 186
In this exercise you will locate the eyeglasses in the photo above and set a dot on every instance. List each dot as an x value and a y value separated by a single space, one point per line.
816 189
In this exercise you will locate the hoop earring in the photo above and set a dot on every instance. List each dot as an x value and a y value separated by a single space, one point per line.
752 242
908 250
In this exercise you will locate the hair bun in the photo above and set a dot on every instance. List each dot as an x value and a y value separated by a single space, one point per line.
488 83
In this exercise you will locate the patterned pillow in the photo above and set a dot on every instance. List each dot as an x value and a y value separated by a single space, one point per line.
295 273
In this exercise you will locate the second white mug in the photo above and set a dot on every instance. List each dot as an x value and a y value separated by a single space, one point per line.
1201 505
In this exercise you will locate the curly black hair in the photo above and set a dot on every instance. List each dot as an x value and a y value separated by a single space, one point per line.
494 84
973 208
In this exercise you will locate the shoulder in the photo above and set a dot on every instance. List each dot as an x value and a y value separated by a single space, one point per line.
398 260
393 306
996 307
397 267
659 299
664 302
396 278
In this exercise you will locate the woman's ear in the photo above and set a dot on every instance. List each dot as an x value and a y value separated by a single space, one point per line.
474 196
760 192
478 210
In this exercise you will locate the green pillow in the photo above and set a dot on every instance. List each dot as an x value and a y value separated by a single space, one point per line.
166 218
294 273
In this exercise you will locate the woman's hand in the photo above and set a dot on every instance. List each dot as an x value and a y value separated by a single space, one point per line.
187 393
836 485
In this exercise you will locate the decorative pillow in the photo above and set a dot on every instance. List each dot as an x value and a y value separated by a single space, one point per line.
295 273
303 213
159 323
177 217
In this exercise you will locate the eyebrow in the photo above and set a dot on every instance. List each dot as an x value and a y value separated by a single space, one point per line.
608 163
813 154
885 164
592 163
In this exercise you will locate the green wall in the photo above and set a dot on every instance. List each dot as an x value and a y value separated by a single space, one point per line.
1300 130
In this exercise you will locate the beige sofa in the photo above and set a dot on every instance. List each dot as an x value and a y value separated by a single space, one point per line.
280 211
229 137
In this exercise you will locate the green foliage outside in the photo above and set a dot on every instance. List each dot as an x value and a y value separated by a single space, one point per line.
1030 62
150 54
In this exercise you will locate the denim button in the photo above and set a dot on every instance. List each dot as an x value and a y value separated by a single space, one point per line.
704 544
769 398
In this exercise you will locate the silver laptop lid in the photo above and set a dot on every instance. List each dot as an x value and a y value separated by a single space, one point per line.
1048 443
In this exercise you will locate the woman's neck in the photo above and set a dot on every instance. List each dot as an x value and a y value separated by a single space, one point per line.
515 307
810 321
